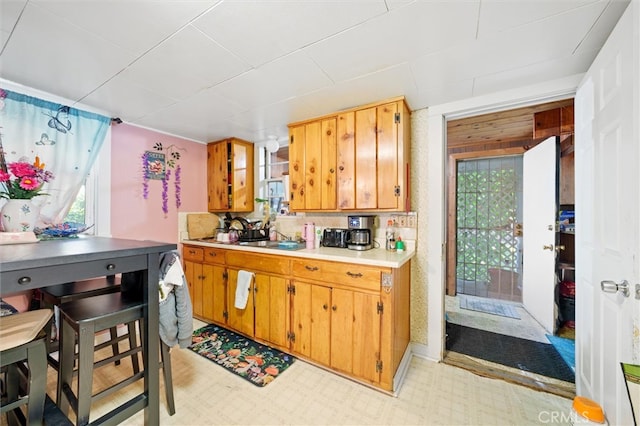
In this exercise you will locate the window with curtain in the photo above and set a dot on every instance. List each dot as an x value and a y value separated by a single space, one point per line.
66 140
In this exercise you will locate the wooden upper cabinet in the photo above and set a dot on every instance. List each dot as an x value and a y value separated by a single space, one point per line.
346 160
373 158
297 168
230 175
388 121
370 167
366 156
312 165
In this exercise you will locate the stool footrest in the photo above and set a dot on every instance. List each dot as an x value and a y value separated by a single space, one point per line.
121 384
118 357
123 412
8 406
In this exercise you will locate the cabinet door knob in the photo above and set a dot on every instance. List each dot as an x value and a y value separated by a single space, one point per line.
334 308
311 268
325 307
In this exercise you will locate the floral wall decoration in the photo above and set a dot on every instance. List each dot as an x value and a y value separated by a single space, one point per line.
162 164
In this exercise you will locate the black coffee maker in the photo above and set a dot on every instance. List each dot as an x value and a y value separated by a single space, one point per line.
361 233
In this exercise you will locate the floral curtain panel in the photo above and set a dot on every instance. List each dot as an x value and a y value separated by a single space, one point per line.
65 139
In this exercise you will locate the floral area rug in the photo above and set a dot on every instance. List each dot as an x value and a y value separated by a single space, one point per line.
257 363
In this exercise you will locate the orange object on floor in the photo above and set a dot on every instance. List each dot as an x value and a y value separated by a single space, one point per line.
588 409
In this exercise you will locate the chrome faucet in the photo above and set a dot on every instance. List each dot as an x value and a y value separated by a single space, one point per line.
283 236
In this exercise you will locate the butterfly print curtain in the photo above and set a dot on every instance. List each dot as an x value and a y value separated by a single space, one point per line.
67 140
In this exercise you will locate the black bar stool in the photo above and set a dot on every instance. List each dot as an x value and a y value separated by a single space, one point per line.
68 292
23 337
83 318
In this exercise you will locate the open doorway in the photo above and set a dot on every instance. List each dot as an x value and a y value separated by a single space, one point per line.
484 257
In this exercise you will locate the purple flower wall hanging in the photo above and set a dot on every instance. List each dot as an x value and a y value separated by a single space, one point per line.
157 164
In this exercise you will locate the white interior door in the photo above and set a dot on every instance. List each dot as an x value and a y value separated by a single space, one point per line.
607 219
539 205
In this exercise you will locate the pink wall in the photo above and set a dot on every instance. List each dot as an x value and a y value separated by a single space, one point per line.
134 217
131 215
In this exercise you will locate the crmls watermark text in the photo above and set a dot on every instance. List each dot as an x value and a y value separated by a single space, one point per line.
561 417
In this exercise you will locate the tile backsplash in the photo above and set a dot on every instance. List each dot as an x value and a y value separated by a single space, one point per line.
406 224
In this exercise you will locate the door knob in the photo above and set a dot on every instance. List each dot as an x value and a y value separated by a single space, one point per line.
613 287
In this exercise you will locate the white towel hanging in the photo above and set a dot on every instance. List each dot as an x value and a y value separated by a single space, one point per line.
242 288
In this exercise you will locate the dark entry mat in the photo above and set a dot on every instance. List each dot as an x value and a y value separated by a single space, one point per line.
525 355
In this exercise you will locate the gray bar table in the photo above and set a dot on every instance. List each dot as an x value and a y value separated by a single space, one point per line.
51 262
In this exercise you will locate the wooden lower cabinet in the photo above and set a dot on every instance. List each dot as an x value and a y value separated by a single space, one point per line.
271 302
206 276
192 264
240 320
337 328
350 318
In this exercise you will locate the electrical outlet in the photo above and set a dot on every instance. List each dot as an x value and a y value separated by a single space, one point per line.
412 220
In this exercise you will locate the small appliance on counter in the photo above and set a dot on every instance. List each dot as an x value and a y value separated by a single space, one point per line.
335 237
360 236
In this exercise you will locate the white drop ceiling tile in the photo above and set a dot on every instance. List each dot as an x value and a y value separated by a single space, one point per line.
62 59
186 126
279 131
265 119
394 4
385 84
283 78
4 36
184 65
414 30
126 99
192 51
9 13
133 25
533 74
203 111
530 44
557 35
496 16
438 92
601 30
260 31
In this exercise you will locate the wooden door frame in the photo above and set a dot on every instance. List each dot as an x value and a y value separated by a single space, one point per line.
452 216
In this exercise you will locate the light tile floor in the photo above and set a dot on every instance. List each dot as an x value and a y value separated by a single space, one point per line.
526 327
432 394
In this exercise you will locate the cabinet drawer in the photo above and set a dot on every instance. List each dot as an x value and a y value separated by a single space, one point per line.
261 262
359 276
192 253
214 255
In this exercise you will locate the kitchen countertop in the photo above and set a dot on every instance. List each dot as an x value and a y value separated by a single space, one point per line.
373 257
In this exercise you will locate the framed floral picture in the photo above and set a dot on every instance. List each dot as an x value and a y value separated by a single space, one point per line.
155 165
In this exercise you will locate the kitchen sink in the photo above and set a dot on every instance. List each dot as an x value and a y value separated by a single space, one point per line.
281 245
